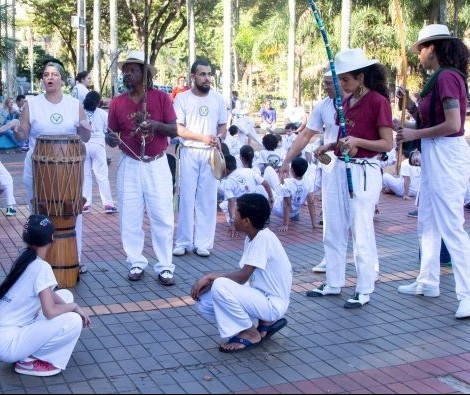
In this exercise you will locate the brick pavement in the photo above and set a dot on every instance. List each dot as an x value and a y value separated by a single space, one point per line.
149 339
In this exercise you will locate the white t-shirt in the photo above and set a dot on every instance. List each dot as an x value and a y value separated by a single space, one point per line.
200 114
21 304
297 190
53 119
241 181
273 273
79 92
99 124
294 114
323 118
270 158
414 172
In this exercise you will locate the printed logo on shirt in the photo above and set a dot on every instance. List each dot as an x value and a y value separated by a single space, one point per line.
203 111
273 160
56 119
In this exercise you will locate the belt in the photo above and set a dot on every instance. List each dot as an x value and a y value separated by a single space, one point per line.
146 158
363 163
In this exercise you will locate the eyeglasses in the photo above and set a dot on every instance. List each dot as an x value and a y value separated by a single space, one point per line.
53 75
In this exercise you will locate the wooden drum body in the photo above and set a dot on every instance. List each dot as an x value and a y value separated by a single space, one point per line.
57 163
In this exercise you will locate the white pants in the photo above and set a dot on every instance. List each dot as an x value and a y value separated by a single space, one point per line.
344 214
146 186
28 183
197 215
445 171
51 340
396 185
96 161
6 184
234 306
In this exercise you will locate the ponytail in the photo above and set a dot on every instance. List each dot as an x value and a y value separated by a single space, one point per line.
27 256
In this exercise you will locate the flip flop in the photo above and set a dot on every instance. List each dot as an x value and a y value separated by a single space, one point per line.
273 328
235 339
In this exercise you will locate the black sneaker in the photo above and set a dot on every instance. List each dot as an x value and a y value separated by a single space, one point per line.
413 214
358 301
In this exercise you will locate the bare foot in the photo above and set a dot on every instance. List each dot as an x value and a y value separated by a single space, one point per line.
245 339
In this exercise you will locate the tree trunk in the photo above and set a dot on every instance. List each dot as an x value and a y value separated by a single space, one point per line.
291 52
345 23
113 27
11 58
191 33
96 45
227 69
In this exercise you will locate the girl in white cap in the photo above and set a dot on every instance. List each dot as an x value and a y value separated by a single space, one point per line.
445 163
38 327
368 117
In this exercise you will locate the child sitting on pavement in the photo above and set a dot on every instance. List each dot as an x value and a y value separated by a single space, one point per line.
238 182
260 289
407 184
272 155
292 194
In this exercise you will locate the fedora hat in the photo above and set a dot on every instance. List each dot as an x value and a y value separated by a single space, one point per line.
136 57
431 33
349 60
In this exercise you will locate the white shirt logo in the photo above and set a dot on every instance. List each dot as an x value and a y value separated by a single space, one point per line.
203 111
56 118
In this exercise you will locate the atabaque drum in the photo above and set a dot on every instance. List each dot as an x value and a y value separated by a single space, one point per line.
57 163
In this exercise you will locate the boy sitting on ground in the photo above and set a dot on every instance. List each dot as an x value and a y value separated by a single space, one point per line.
292 194
238 182
260 289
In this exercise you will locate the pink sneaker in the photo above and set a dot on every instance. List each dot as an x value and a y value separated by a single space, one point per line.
108 209
36 367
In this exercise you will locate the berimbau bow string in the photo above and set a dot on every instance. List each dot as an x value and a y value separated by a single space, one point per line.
403 74
338 100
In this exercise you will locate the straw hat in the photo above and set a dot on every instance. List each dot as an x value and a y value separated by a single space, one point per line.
136 57
431 33
349 60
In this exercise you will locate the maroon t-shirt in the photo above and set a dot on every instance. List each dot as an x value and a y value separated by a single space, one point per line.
124 116
449 85
364 118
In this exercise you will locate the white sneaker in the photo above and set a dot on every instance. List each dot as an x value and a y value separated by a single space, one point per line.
179 251
464 309
419 289
323 290
202 252
320 268
359 300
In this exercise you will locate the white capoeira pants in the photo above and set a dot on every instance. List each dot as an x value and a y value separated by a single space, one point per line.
96 163
146 187
197 214
445 171
28 183
343 215
396 185
6 185
234 306
51 340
